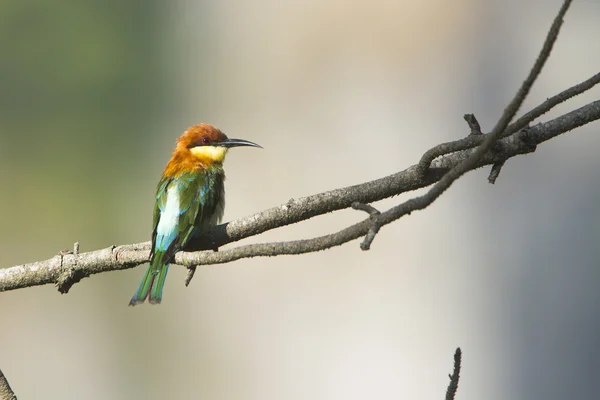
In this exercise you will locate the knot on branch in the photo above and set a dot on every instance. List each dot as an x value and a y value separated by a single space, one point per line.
525 136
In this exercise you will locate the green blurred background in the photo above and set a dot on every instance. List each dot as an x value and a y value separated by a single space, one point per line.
93 96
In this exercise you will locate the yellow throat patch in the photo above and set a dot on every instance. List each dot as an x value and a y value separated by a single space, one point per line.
209 154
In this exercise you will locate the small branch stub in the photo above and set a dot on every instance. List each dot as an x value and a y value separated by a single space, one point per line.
476 131
473 124
495 172
190 274
375 225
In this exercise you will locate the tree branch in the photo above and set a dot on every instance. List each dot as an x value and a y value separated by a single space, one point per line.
128 256
6 393
441 165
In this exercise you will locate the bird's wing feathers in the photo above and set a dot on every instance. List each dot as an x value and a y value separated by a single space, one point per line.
191 205
184 204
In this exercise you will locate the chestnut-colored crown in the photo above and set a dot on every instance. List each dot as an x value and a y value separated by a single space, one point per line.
200 135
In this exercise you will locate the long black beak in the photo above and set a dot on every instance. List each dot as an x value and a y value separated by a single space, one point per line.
237 143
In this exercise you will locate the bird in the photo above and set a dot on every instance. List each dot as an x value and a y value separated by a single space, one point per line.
190 199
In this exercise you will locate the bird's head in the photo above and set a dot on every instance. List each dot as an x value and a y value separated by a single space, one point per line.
208 144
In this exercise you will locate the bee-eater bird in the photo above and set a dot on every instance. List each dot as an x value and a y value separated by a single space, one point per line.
190 199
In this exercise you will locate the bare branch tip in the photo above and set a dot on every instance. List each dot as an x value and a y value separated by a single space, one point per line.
453 385
540 62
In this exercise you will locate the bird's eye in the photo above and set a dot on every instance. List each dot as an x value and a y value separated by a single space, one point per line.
205 140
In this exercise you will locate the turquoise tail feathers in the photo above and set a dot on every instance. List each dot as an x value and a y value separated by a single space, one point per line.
157 286
152 283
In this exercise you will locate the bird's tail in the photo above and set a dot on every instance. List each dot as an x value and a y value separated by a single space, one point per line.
152 283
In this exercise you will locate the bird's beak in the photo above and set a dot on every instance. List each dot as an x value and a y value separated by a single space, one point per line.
237 143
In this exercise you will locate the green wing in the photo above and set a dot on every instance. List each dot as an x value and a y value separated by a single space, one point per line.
201 203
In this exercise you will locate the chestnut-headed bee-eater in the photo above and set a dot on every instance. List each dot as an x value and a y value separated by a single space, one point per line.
190 199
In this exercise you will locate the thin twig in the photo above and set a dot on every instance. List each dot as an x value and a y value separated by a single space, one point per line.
515 104
552 102
453 385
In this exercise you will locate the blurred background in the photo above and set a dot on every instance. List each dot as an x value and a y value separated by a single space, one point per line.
93 96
